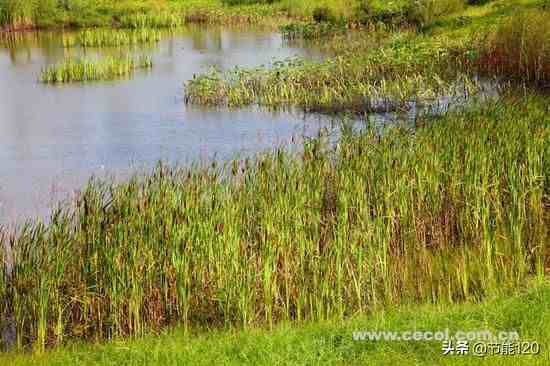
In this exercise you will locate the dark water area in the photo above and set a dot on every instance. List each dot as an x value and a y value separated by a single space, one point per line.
54 138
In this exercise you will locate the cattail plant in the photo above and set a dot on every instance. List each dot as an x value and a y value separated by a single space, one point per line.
455 212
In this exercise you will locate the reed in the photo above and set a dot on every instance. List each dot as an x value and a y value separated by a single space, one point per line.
403 69
112 38
312 30
16 14
519 49
152 20
78 70
457 211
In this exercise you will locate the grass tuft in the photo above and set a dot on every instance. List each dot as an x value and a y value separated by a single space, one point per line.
78 70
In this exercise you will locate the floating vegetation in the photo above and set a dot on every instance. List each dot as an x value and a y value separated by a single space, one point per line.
75 70
112 38
458 211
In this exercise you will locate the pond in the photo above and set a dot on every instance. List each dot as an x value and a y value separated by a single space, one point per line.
53 138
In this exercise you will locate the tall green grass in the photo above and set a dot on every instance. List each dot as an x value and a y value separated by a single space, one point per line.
402 69
519 49
153 20
326 343
112 38
16 14
22 14
77 70
457 211
311 30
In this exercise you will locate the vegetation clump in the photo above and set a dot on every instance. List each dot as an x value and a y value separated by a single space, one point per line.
312 30
153 20
78 70
389 78
323 14
112 38
519 49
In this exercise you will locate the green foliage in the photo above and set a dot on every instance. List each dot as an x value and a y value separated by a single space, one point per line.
78 70
423 12
458 211
16 14
312 30
396 70
327 343
323 14
155 20
111 38
478 2
247 2
519 49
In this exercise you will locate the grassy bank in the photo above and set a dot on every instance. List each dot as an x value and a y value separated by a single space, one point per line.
22 14
329 342
457 211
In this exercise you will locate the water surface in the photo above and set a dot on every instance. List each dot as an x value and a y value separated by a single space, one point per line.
53 138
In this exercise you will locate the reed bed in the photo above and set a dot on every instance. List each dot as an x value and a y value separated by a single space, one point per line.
78 70
112 38
457 211
519 49
389 78
152 20
312 30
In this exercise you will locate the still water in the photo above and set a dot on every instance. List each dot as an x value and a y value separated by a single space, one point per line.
53 138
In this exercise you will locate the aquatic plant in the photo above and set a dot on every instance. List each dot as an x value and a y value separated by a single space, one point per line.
16 14
457 211
387 78
519 49
312 30
77 70
111 38
152 20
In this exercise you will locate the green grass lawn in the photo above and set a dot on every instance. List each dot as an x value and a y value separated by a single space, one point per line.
528 313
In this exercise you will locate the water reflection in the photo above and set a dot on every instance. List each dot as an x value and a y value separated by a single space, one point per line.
52 138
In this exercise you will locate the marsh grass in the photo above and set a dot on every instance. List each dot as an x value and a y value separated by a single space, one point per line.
152 20
112 38
312 30
519 49
457 211
403 69
15 14
78 70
